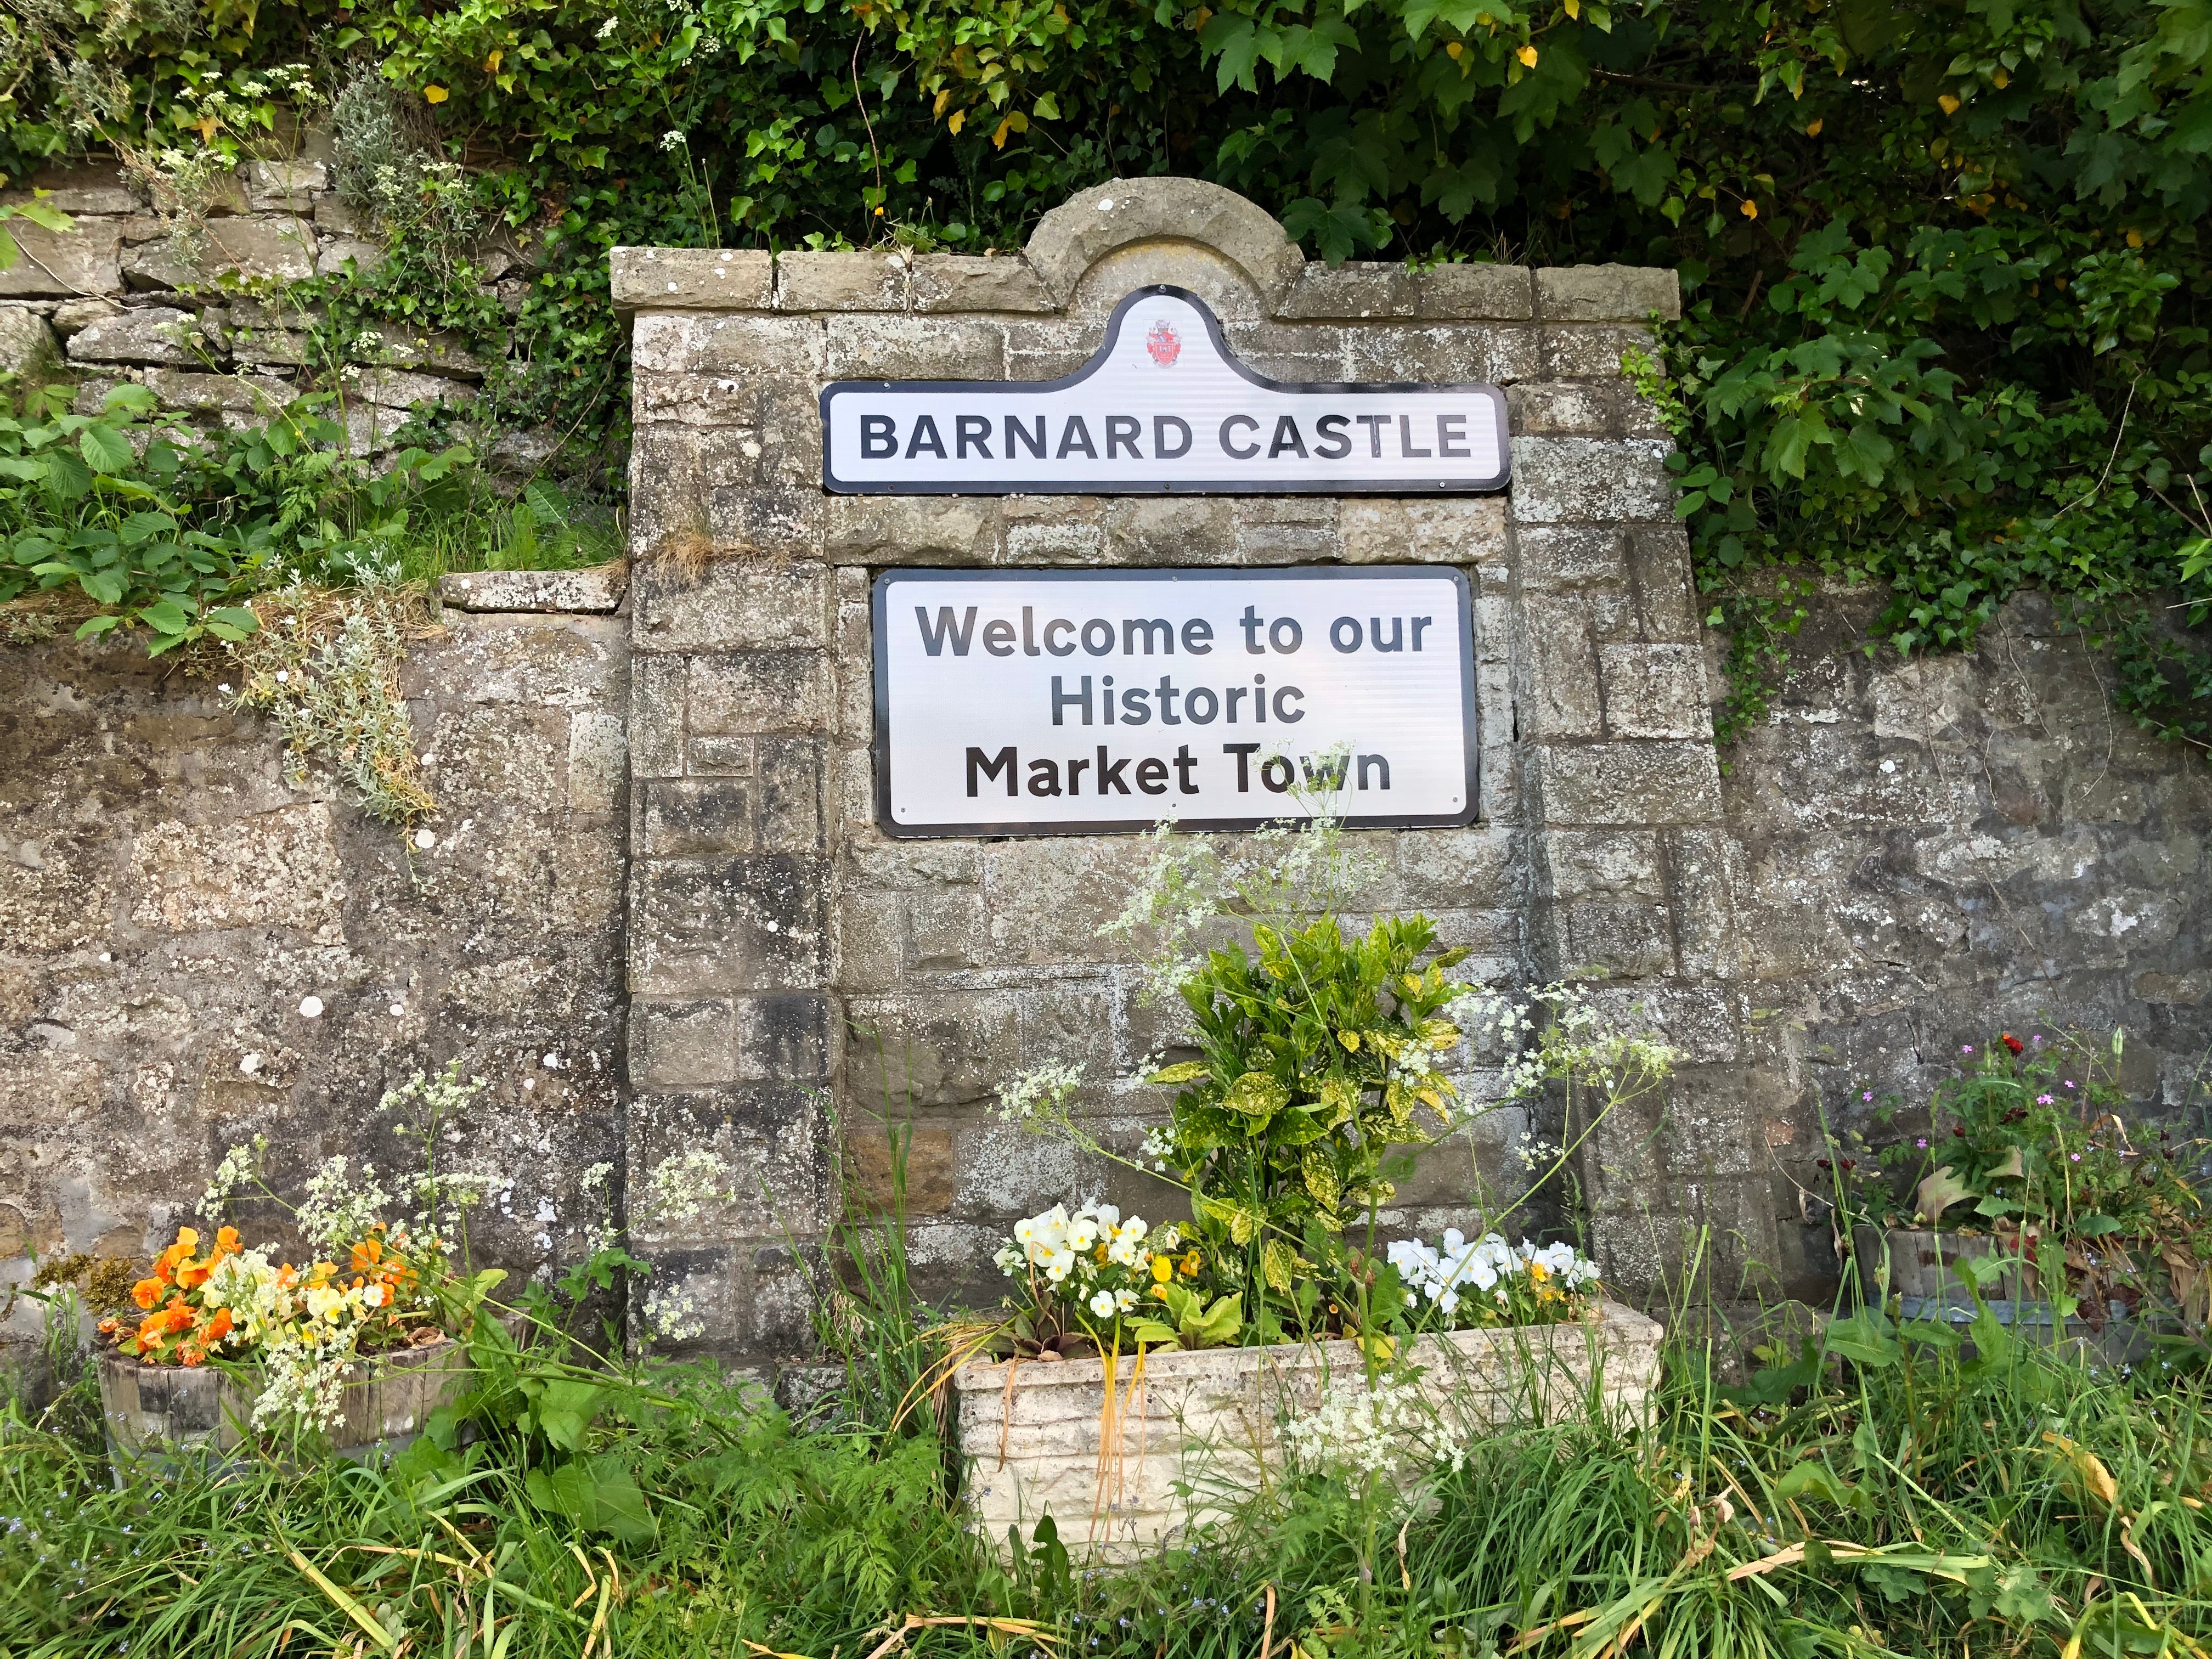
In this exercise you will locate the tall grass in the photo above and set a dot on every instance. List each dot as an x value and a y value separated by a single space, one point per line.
1917 1498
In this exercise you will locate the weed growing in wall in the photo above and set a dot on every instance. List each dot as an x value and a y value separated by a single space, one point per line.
328 671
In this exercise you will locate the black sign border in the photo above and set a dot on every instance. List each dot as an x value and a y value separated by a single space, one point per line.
835 486
880 747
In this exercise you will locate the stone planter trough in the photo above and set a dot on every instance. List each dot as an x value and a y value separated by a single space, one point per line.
159 1411
1035 1437
1919 1262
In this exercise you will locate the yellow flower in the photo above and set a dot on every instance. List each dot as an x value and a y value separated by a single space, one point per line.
1527 56
433 95
1163 1270
1191 1263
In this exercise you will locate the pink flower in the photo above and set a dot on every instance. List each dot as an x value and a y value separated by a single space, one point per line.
1922 1143
2076 1157
1868 1095
2043 1100
2069 1082
1966 1047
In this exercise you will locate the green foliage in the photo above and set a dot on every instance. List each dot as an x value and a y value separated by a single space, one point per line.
1320 1055
82 507
1946 263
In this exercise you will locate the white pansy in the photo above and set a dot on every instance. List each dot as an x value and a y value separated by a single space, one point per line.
1103 1304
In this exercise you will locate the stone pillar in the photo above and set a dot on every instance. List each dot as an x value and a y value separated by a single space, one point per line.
793 968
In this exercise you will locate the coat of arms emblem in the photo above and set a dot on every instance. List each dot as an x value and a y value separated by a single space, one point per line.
1164 343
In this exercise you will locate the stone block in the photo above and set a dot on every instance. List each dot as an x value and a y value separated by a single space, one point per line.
947 930
427 351
1593 352
1590 480
741 923
878 530
65 265
690 1043
915 1050
1356 290
78 188
963 281
1564 557
1606 293
1654 690
150 334
784 1039
910 1164
720 754
691 278
691 818
1628 941
285 186
598 757
242 394
1666 591
732 605
1560 687
759 692
1169 530
1472 292
1587 408
251 250
1629 783
1477 868
679 344
397 388
1123 212
25 339
1297 353
276 869
789 772
656 715
595 590
903 348
1462 530
1581 864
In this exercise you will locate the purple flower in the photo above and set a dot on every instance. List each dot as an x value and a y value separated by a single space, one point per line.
1868 1095
2044 1100
2076 1157
1922 1143
2037 1038
1966 1047
2069 1082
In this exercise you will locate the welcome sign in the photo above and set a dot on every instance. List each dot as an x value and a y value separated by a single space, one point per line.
1041 702
1163 407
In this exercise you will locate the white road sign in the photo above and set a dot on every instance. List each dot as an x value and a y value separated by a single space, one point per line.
1165 406
1045 702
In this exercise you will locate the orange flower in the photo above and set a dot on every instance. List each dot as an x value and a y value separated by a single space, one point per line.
286 1276
365 1255
193 1274
226 1240
107 1327
191 1355
146 1292
188 1239
219 1326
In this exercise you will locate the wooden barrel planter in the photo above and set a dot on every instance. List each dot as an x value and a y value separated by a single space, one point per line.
158 1411
1917 1263
1040 1437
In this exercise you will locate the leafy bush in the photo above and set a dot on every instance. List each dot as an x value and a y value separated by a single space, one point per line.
89 502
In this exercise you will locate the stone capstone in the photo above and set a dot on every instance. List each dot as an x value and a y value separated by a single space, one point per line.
146 334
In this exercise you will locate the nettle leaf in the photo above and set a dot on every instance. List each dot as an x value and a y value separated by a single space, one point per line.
104 449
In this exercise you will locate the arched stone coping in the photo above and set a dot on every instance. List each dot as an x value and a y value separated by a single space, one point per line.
1125 213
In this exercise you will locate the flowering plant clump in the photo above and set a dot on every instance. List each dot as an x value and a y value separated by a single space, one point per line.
1487 1281
1096 1283
377 1282
1366 1427
2035 1141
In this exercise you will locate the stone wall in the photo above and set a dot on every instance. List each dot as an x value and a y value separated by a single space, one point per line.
658 913
170 905
1926 854
198 311
799 982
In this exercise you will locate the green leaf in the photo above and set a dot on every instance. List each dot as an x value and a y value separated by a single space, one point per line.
166 616
1188 1070
1813 1480
104 449
1257 1095
1937 1193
